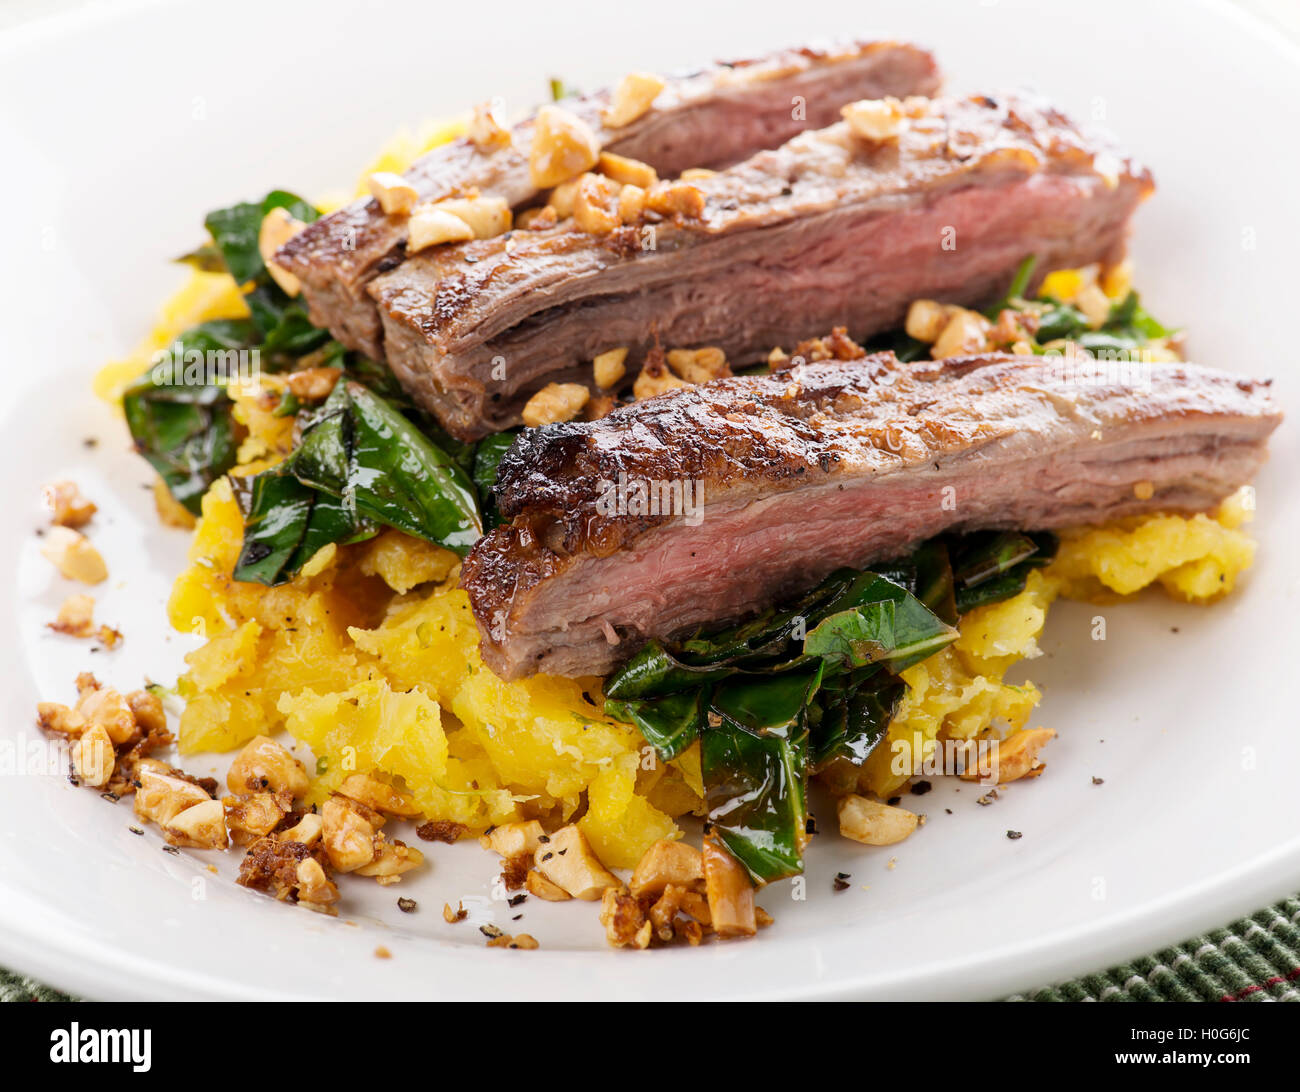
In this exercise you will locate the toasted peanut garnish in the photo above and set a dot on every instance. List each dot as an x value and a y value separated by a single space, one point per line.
313 384
147 708
264 764
451 916
595 206
630 172
73 555
762 917
57 718
563 146
699 365
625 922
675 199
563 197
608 367
964 332
201 826
927 318
524 940
873 823
555 402
161 796
369 790
696 905
538 219
777 358
567 860
93 758
430 226
107 708
512 839
278 227
667 863
391 860
696 174
308 830
730 892
655 379
664 911
255 815
316 891
485 129
632 98
76 617
631 204
875 120
68 508
486 216
1094 303
349 840
393 192
540 886
599 406
1016 756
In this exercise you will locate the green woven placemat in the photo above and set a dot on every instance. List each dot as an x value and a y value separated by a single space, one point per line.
1254 959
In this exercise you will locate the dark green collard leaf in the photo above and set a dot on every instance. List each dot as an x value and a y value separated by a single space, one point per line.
983 555
849 720
669 724
755 790
234 231
891 627
767 704
1010 581
487 460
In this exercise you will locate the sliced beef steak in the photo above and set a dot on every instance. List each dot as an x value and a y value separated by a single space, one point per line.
711 118
826 230
701 506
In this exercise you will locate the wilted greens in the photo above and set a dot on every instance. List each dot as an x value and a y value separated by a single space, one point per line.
780 697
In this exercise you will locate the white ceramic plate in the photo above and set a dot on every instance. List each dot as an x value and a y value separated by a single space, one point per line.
120 128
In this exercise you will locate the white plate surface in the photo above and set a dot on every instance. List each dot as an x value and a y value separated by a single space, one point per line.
122 127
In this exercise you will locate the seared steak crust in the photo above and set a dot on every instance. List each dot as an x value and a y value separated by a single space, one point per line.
710 118
827 229
829 464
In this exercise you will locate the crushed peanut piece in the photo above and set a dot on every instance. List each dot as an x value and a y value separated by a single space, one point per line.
51 716
875 120
626 925
873 823
349 840
540 886
107 708
487 217
278 227
201 826
513 839
965 332
563 197
430 226
93 758
255 815
76 617
264 764
316 890
74 556
68 508
313 384
595 209
666 863
730 892
555 402
676 199
927 318
699 365
631 204
1016 756
696 174
538 219
563 146
655 378
396 196
374 793
485 130
632 98
391 861
568 861
161 794
451 916
630 172
609 367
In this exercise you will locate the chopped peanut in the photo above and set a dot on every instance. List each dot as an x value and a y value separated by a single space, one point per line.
349 840
73 555
599 406
57 718
512 839
278 227
264 764
201 826
567 860
393 192
308 830
699 365
486 216
609 368
161 796
76 617
313 384
526 941
391 860
927 318
873 823
431 226
625 922
655 379
563 146
675 199
965 332
107 708
1094 303
315 890
594 206
147 709
538 219
485 129
68 508
632 98
540 886
93 759
667 863
1016 756
369 790
555 402
255 815
563 197
631 204
451 916
731 894
875 120
630 172
695 174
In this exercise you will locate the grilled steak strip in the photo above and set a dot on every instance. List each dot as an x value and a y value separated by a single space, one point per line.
710 118
827 465
826 230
